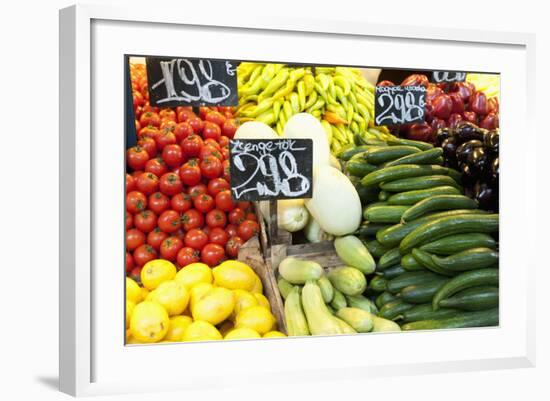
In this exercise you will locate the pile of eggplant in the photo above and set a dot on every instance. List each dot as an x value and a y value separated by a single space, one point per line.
473 151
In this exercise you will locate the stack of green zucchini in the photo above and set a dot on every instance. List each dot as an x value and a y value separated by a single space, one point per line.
436 260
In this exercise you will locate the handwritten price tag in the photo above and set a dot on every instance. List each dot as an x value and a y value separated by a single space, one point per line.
395 105
448 76
191 82
263 169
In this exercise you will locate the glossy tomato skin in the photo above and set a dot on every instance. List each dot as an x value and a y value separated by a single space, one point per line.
216 218
197 124
192 145
224 201
212 131
217 185
224 141
216 118
229 128
184 115
135 274
192 219
129 262
150 118
211 167
134 239
137 157
172 154
181 202
233 245
226 174
167 113
155 238
170 247
186 256
251 216
204 203
212 254
197 190
244 205
129 220
231 230
236 216
212 142
225 153
156 166
182 131
130 183
218 236
158 202
196 239
147 183
149 132
190 173
149 145
169 221
145 221
170 184
144 254
209 150
164 139
135 202
247 229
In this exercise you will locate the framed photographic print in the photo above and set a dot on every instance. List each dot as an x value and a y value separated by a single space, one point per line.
236 200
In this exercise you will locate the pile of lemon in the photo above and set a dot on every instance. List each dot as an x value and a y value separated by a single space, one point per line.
197 304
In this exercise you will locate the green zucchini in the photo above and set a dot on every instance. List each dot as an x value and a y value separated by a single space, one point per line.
376 249
359 168
369 229
392 236
425 157
470 259
412 197
366 194
426 312
395 141
384 298
410 264
384 213
402 171
388 259
472 278
394 309
473 299
348 153
460 242
465 319
284 287
450 225
383 196
410 278
382 155
378 284
422 293
393 272
361 302
426 260
338 300
454 174
416 183
438 202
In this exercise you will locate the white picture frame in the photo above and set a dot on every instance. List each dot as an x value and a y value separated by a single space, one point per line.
92 38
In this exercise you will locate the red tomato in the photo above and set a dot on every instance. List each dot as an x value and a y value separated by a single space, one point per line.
134 239
218 236
212 254
149 132
135 274
204 203
144 254
172 155
158 202
165 138
181 202
197 190
196 239
136 174
206 229
251 216
226 109
192 145
225 153
130 183
211 130
217 185
148 108
231 230
149 118
182 131
192 219
197 124
179 234
210 150
155 238
169 221
147 183
190 173
216 118
236 216
170 247
138 99
247 229
186 256
224 201
135 202
167 125
137 125
229 128
167 113
216 218
129 220
156 166
233 245
137 157
226 176
203 111
149 145
129 263
185 114
224 141
170 184
212 142
145 221
211 167
243 204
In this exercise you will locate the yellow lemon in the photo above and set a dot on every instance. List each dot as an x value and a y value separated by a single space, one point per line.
144 292
194 273
133 291
243 332
199 291
243 300
262 300
157 271
258 287
149 322
172 295
257 318
178 324
129 310
215 306
201 331
131 340
234 275
226 327
273 334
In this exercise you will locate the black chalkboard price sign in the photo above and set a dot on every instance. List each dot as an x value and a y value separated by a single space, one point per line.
395 105
263 169
448 76
177 81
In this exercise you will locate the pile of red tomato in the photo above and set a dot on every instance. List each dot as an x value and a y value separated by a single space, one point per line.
178 198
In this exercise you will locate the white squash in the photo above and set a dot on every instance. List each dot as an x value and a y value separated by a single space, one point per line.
305 126
314 232
255 130
334 162
335 204
292 214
